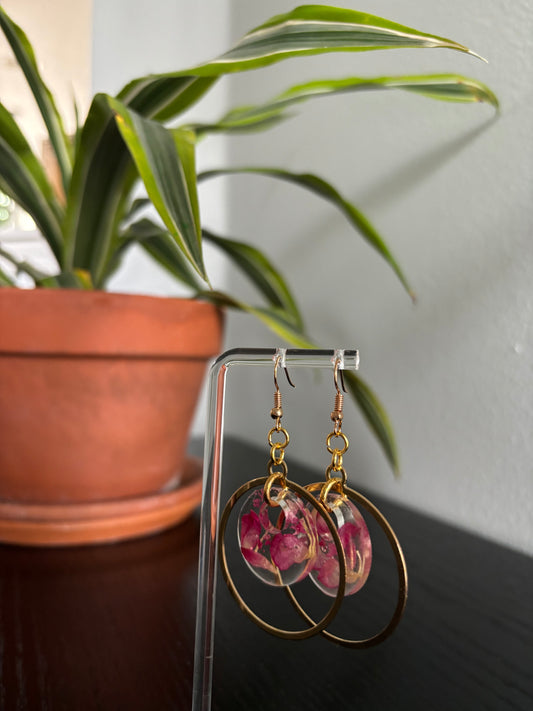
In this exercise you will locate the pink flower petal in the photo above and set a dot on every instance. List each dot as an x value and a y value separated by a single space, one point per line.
288 549
322 526
263 515
257 560
348 533
291 512
328 571
250 530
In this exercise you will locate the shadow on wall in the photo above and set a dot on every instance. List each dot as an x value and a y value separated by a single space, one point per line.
385 190
419 169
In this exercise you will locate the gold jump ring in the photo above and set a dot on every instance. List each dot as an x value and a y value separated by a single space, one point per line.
285 434
331 436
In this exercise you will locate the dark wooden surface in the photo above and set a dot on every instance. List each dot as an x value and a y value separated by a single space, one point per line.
112 627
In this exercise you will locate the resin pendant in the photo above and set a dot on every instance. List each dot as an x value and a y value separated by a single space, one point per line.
355 540
278 543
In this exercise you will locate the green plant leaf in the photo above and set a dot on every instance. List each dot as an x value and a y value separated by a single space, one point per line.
444 87
77 279
23 266
159 244
5 280
77 133
319 186
15 139
25 57
375 415
136 206
449 87
102 179
274 318
165 162
310 29
104 172
17 181
164 96
240 121
260 270
314 29
91 234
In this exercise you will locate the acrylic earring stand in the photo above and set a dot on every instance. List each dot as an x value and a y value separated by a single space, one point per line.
214 437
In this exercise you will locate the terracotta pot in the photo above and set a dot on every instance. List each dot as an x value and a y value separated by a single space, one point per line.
97 392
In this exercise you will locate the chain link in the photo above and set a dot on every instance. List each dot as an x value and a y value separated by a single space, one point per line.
277 430
276 458
335 473
336 453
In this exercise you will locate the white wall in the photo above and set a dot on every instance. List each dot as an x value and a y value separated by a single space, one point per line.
450 188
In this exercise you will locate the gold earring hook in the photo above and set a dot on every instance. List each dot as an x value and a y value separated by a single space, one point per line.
337 415
277 411
335 374
286 375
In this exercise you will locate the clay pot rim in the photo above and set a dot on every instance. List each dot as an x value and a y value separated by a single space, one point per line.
52 294
72 322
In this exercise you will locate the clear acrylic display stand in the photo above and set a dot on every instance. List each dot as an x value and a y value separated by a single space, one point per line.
207 562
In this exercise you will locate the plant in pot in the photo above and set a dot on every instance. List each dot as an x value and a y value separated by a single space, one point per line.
97 389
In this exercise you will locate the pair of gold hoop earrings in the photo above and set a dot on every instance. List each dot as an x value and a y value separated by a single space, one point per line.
288 532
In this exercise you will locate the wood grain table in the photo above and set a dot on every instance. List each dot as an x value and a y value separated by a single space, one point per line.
111 628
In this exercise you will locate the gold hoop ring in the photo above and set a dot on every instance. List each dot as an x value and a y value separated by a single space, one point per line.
315 627
402 578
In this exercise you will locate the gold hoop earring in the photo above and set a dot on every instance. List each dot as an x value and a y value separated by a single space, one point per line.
339 501
350 524
277 530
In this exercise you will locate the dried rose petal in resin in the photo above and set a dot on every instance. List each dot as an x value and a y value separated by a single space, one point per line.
277 542
355 540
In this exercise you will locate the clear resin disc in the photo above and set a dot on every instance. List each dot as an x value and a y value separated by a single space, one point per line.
278 543
355 540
